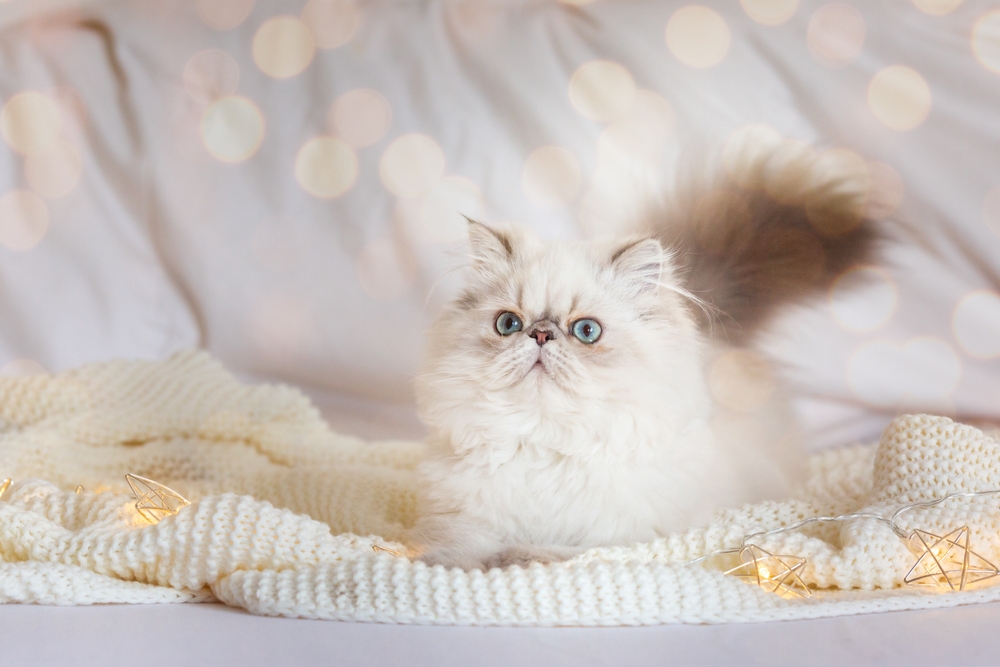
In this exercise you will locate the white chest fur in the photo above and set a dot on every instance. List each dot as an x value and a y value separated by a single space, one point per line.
564 484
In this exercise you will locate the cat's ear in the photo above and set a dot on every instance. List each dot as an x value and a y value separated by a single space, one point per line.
490 247
639 263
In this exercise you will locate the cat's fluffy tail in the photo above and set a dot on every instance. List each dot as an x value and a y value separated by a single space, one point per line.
776 225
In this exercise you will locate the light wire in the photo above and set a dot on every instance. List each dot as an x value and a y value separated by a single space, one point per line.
892 522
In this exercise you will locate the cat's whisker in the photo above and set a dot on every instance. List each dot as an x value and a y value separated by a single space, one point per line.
470 373
486 388
454 372
463 373
440 279
421 376
564 370
711 312
510 367
456 357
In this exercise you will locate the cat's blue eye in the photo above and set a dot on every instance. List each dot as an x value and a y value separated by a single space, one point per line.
587 330
508 323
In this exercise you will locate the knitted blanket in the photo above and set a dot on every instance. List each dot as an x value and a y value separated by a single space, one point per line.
285 514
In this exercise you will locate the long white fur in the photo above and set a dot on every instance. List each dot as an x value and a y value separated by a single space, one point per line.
612 443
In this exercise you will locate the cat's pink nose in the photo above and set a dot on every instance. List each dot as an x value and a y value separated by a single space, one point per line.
541 336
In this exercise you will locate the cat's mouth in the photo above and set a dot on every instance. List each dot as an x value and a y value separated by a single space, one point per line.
539 365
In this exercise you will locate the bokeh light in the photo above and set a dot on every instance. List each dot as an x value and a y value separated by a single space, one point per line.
991 209
386 269
232 129
283 326
333 22
639 135
741 380
223 14
937 7
360 117
783 177
408 221
601 90
835 216
976 324
626 172
744 148
899 97
326 167
920 374
283 47
72 110
718 204
770 12
887 191
22 368
598 212
24 219
444 209
478 23
551 177
211 74
698 36
411 165
836 34
986 41
54 173
863 298
30 122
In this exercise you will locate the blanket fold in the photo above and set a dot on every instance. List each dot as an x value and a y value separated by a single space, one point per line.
285 514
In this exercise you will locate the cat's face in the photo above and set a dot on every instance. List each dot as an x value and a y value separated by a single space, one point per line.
555 330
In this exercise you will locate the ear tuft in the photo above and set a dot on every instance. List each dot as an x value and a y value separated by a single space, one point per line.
489 246
639 263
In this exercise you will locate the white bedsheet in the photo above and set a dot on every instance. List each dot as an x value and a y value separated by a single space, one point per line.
173 635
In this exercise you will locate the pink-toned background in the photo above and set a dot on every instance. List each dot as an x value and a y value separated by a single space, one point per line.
283 182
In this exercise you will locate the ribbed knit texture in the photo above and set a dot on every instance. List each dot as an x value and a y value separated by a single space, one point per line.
279 503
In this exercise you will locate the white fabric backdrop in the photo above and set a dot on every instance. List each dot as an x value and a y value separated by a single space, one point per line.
185 221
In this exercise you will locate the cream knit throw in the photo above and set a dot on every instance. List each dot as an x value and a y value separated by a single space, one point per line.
280 503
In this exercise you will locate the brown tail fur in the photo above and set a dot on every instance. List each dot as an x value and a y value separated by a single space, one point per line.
778 225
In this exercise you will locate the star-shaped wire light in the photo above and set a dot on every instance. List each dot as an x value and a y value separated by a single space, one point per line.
154 500
379 547
777 574
946 562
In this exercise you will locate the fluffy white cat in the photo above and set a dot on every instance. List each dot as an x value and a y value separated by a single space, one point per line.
567 389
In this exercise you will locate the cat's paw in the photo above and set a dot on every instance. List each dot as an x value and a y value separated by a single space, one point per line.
521 557
449 558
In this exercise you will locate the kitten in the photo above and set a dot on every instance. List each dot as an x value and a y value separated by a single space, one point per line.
566 390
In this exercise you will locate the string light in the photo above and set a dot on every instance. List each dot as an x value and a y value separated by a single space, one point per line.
777 574
154 500
946 563
943 562
378 547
